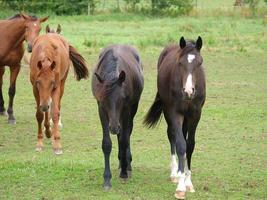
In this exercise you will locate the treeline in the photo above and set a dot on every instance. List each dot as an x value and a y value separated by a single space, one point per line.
79 7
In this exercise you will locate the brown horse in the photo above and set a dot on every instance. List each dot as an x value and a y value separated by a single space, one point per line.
181 96
117 87
49 66
13 32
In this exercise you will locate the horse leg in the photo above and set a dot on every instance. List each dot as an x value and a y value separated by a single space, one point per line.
190 145
14 71
174 164
106 146
2 107
130 129
124 140
55 117
39 117
47 125
181 152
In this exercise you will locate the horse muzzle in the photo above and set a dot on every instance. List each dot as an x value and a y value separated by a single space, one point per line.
44 108
115 129
188 94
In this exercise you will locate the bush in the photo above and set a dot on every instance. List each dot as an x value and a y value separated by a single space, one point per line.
172 7
59 7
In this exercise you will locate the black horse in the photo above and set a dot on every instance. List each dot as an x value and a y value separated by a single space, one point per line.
117 86
181 96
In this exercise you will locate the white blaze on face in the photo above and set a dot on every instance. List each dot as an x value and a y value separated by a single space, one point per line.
35 24
190 58
189 85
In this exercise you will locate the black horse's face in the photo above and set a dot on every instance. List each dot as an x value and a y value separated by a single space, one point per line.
189 64
113 102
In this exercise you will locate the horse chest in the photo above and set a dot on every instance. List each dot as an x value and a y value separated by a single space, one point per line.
12 58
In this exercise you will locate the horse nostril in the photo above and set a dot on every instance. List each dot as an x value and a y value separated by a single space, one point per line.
193 90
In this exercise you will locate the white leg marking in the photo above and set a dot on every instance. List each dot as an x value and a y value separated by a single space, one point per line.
174 167
190 58
60 125
189 85
181 183
188 182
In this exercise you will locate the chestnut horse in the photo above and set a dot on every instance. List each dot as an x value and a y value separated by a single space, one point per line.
181 96
13 32
117 87
49 30
49 65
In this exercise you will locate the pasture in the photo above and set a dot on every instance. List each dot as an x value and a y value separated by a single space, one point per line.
229 161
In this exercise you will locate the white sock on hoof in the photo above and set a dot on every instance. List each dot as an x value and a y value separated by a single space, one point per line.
181 182
174 166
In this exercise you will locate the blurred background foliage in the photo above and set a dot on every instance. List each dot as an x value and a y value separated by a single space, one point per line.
146 7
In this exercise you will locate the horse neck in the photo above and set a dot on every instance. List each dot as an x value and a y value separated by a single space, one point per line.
15 32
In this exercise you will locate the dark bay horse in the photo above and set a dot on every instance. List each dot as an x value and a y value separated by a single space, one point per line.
181 96
49 65
117 86
13 32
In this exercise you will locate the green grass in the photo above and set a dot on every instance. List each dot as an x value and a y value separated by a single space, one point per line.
230 157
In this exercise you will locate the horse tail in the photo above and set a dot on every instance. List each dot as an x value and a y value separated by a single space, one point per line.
79 64
154 113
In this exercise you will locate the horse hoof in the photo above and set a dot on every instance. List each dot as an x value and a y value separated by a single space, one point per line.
179 194
123 176
12 121
58 151
39 149
190 189
107 186
174 179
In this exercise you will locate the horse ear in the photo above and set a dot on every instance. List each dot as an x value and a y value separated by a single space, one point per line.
47 29
39 65
182 42
199 43
24 16
122 77
58 29
53 65
43 19
99 78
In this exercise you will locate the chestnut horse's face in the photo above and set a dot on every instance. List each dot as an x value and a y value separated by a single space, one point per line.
33 28
189 64
45 83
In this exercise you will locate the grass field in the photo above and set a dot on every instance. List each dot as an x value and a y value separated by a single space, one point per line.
231 144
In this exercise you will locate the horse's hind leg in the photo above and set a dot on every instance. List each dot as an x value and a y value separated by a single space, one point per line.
14 71
2 108
39 117
190 145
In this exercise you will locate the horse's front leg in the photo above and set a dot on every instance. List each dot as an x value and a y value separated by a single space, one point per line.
180 143
2 107
14 71
55 112
124 142
106 146
47 125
